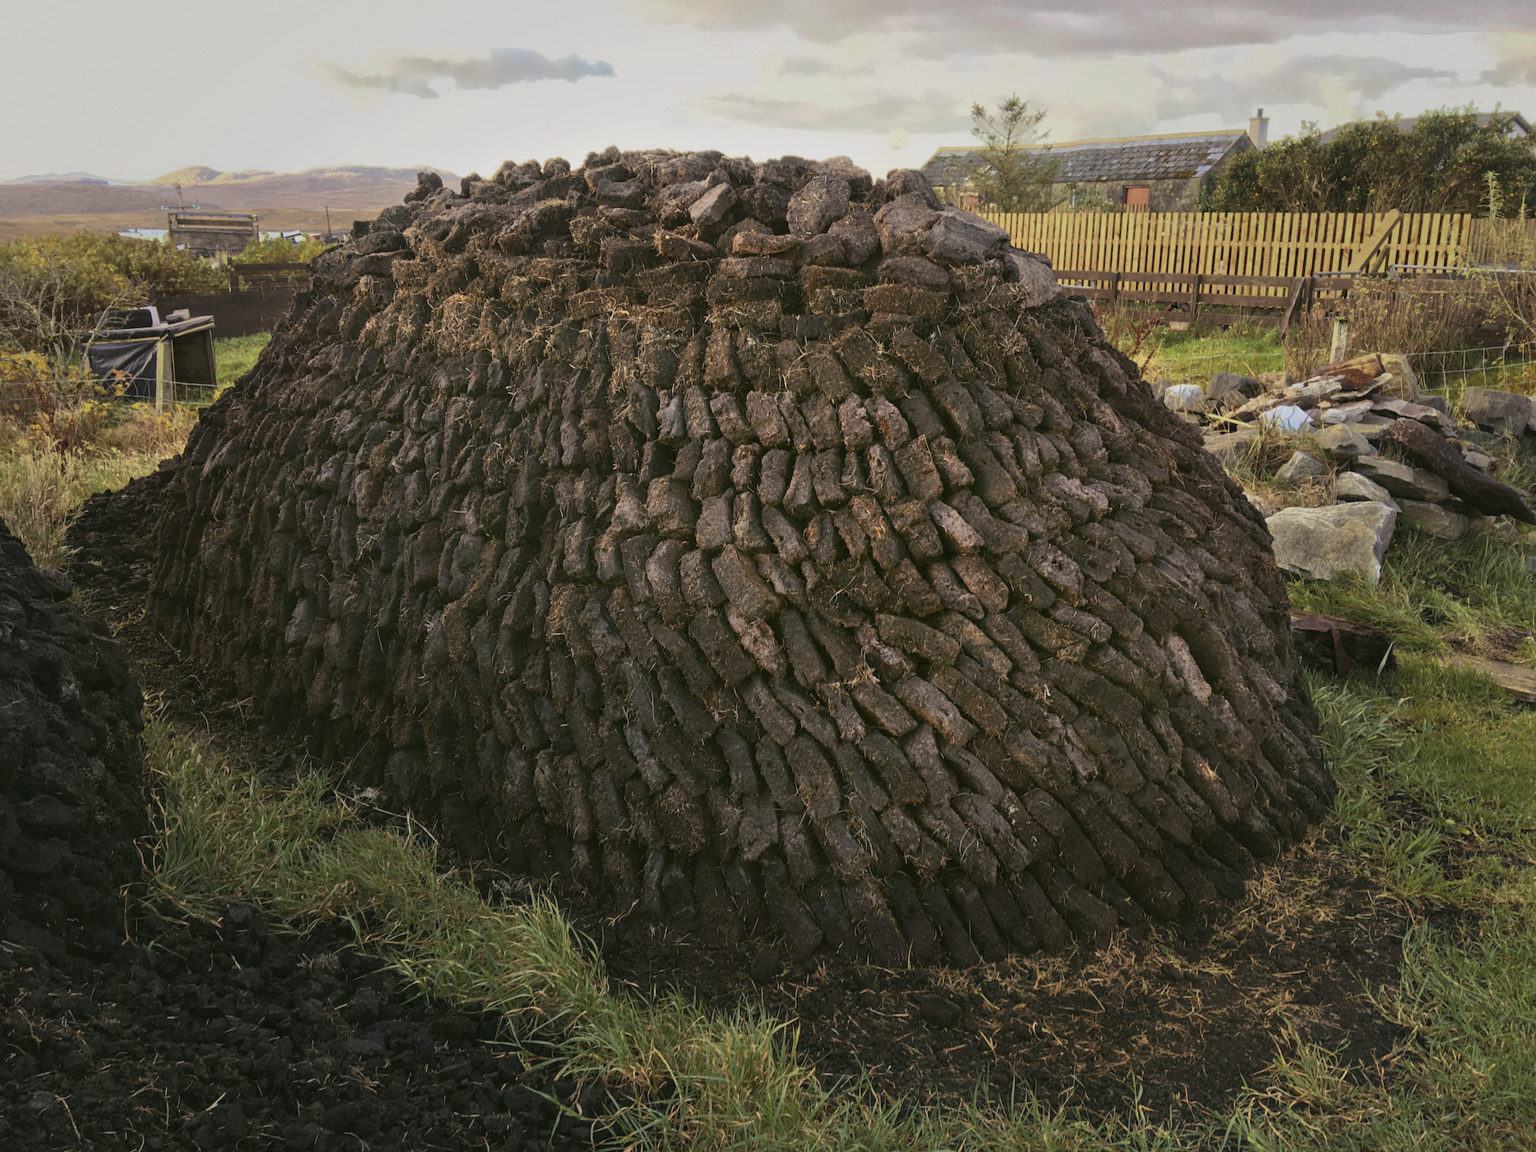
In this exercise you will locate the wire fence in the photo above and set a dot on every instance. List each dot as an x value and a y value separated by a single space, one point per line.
22 401
1505 367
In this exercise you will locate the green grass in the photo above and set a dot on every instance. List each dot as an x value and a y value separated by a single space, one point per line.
1192 355
235 355
1474 593
678 1077
43 480
49 467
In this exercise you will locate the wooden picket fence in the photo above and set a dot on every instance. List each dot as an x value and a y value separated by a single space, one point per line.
1277 246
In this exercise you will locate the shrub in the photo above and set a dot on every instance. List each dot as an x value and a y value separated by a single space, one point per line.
1439 162
50 286
279 250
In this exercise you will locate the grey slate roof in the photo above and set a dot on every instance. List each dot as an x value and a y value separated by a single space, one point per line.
1175 157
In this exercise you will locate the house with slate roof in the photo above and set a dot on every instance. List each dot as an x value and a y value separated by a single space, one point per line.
1141 173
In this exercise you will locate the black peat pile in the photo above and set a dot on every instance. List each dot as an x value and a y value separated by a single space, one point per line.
759 547
71 776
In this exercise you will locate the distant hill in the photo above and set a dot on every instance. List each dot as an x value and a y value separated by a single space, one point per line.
65 203
61 178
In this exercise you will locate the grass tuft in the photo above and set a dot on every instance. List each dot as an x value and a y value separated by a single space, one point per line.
40 490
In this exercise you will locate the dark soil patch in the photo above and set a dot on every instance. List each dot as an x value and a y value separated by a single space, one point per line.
228 1035
1190 1015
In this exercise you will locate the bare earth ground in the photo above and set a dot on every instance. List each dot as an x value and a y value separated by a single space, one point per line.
1185 1016
227 1034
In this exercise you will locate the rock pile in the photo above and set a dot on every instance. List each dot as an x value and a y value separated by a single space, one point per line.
1399 456
71 777
759 546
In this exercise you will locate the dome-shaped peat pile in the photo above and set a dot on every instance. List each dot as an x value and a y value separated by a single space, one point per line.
755 545
71 776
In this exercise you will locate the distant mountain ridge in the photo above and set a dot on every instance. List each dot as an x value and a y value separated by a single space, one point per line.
61 178
65 203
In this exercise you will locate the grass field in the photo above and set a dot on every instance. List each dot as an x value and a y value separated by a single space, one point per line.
1191 355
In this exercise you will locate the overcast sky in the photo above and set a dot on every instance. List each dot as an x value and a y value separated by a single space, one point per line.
131 92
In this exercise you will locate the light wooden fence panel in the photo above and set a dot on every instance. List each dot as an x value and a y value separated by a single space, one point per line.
1273 244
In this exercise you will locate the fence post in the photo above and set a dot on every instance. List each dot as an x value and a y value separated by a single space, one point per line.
1340 347
162 385
1293 304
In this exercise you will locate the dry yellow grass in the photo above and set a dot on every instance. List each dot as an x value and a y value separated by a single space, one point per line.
41 486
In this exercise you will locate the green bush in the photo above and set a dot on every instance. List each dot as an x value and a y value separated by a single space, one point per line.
278 250
51 285
1439 164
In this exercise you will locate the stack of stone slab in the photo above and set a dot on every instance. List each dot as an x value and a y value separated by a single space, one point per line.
759 547
1398 456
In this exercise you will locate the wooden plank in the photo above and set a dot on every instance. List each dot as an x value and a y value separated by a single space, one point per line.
1249 300
1293 304
1339 645
1254 281
1151 296
1365 255
1516 679
1261 319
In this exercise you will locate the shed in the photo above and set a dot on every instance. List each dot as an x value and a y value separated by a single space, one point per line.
153 358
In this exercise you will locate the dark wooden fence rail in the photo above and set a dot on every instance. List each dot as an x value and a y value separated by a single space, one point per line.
1272 300
242 313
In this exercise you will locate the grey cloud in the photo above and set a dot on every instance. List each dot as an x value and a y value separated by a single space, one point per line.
1521 70
1060 27
882 112
1297 80
413 75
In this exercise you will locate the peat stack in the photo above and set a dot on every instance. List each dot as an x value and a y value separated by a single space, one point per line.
71 776
758 546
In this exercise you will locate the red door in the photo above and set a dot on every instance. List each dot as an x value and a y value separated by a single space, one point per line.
1137 199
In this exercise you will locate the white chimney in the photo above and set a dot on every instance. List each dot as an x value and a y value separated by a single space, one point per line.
1258 128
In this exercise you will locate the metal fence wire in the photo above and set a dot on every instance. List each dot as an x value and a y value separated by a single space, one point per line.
22 400
1506 367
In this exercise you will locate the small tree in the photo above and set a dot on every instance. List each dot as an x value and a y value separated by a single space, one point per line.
1013 169
1089 198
